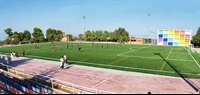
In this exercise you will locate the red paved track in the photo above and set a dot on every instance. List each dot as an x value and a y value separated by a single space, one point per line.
108 80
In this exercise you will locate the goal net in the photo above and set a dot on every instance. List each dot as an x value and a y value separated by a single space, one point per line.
191 48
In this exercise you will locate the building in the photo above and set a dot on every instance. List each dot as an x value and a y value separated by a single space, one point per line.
174 37
65 38
137 40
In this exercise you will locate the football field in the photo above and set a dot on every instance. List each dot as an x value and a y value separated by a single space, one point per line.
172 61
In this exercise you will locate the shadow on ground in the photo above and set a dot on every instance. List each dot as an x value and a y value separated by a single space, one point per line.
176 70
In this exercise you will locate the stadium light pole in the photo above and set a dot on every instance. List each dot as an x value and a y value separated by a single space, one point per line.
84 27
149 14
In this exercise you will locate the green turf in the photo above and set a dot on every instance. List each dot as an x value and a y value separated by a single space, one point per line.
139 58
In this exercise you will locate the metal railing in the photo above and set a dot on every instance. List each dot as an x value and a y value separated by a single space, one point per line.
55 83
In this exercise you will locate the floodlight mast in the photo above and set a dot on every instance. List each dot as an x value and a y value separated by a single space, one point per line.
149 14
84 27
84 22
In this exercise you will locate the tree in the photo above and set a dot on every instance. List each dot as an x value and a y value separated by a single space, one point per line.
99 35
33 40
27 35
105 35
111 36
75 38
196 38
70 36
21 36
198 31
50 34
15 39
81 37
121 34
88 35
58 35
125 36
38 35
8 31
54 35
8 41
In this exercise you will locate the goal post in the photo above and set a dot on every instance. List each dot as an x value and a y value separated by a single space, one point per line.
191 48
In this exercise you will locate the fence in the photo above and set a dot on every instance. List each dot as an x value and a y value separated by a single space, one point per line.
2 43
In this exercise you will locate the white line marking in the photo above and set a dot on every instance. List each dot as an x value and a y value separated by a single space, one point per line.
132 51
107 65
141 57
193 58
156 58
97 64
181 60
166 59
179 53
104 81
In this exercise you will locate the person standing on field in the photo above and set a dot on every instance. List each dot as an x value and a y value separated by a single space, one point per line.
67 45
79 48
23 51
164 47
52 45
62 62
65 58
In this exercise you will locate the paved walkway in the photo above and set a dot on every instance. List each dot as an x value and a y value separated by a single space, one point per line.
106 80
197 50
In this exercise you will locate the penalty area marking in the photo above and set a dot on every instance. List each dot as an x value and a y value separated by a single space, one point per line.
132 50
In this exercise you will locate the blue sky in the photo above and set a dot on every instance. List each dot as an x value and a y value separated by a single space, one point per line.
67 15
